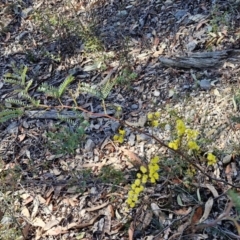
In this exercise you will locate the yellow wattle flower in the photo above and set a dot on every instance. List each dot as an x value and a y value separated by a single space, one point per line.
139 175
115 137
193 145
174 144
144 178
143 169
157 114
137 182
150 116
211 159
154 123
154 160
122 132
153 180
191 134
180 127
121 139
132 205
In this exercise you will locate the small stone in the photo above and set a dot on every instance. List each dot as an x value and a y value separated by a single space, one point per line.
179 14
167 127
131 139
26 12
227 159
25 124
115 126
122 13
156 93
134 106
171 93
89 145
142 137
12 128
191 46
186 86
142 120
168 2
205 84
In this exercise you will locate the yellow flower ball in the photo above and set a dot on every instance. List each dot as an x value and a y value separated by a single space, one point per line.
153 180
154 123
137 182
137 190
132 205
133 186
115 137
119 108
144 178
174 144
211 159
122 132
156 175
150 116
129 201
121 139
193 145
180 126
154 160
139 175
143 169
131 193
135 198
155 167
191 134
157 114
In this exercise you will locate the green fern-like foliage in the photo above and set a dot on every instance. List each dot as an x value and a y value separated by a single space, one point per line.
18 77
9 79
67 139
106 89
14 101
10 114
100 93
64 85
49 90
30 99
87 88
54 91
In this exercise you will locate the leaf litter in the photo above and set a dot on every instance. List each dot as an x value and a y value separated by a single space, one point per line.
58 196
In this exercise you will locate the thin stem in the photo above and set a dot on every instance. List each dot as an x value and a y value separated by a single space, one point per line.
178 152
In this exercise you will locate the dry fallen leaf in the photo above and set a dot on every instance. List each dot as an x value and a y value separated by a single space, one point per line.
207 210
134 159
21 137
51 224
228 172
147 219
36 204
131 231
38 233
27 200
213 190
25 230
197 215
183 211
54 231
91 209
38 222
107 224
25 212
